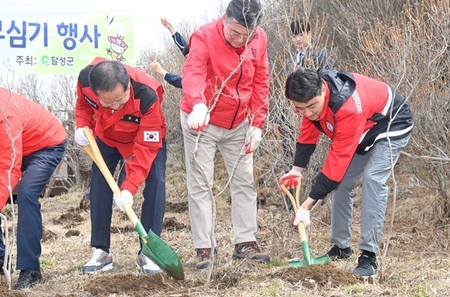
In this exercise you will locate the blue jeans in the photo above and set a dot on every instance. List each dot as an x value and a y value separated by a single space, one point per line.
102 197
37 168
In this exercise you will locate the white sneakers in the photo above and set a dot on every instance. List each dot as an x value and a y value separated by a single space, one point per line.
103 261
147 266
99 261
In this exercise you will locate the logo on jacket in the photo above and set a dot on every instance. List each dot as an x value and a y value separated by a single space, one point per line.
330 126
254 52
151 136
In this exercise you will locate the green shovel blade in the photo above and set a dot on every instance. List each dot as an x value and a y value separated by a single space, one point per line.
161 253
308 260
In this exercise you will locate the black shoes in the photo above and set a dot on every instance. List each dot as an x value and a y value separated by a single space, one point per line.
367 266
336 253
27 279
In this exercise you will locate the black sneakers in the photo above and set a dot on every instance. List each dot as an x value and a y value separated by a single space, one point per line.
336 253
367 266
249 250
27 279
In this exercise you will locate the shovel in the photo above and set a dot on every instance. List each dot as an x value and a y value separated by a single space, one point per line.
152 245
308 260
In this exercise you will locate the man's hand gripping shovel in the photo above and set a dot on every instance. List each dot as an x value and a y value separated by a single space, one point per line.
152 245
308 260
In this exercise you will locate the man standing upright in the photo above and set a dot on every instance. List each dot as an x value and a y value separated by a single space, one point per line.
225 86
307 55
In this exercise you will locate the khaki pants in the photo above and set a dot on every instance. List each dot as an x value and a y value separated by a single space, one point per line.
200 179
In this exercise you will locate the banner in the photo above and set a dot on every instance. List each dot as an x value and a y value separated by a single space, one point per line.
47 42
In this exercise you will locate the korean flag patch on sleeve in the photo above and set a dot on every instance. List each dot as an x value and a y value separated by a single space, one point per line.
151 136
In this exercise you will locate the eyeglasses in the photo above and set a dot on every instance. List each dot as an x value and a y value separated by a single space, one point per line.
120 101
116 102
236 35
233 33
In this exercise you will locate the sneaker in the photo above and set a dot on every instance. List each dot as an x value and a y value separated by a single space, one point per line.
336 253
204 258
100 260
249 250
27 279
145 265
367 266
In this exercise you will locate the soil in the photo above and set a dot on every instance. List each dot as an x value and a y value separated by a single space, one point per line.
416 263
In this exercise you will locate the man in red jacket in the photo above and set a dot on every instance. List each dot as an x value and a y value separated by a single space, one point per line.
225 87
369 124
32 142
129 124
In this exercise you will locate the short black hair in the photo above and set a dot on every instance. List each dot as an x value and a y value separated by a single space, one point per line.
247 13
300 26
303 84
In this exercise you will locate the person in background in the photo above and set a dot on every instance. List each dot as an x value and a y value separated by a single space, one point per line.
225 87
33 142
307 55
129 125
181 43
179 40
369 124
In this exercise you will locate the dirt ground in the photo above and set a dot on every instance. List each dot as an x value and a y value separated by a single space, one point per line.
416 261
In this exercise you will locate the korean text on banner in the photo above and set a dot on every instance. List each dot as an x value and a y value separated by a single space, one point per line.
63 43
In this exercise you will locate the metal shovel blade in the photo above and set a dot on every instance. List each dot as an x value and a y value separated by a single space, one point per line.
162 254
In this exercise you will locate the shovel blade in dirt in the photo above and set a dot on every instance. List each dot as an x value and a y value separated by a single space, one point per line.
158 250
153 246
308 260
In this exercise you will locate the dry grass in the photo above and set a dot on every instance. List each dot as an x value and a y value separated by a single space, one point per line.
416 265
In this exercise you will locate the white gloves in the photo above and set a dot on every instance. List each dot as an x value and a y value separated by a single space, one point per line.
302 215
290 179
199 117
80 137
252 140
125 197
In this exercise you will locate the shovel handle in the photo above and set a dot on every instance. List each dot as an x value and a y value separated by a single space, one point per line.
296 204
94 152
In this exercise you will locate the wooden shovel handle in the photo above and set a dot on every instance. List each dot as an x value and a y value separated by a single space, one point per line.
94 152
296 204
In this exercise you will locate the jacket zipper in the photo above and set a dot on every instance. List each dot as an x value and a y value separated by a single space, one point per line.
237 92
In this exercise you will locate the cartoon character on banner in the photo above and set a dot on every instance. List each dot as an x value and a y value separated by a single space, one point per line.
117 48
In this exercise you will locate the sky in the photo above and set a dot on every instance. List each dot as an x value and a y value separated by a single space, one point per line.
146 14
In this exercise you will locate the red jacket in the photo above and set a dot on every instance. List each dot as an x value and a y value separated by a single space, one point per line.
356 115
211 61
137 129
25 127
